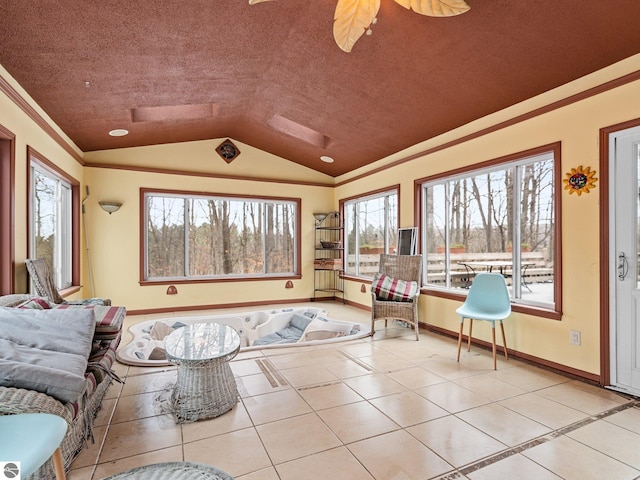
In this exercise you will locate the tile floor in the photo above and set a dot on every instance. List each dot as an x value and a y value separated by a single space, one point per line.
385 407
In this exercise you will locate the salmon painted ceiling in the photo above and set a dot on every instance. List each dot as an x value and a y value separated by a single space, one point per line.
271 76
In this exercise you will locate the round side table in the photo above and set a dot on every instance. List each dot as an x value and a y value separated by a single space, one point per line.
205 387
173 471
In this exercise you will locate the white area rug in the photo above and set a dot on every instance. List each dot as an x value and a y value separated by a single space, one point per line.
147 347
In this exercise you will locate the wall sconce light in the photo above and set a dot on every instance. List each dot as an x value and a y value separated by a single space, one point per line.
110 207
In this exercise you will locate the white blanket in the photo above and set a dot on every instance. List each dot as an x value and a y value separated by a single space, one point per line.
46 350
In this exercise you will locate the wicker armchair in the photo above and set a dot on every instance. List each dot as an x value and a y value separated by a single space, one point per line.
45 287
402 267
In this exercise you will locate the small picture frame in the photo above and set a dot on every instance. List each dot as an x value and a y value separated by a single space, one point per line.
407 241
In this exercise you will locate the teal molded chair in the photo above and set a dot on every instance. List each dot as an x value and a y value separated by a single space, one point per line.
31 439
488 300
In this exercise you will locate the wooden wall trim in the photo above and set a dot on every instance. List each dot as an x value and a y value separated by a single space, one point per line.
7 211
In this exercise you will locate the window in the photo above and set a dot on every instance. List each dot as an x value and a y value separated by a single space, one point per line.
194 237
500 218
51 229
371 228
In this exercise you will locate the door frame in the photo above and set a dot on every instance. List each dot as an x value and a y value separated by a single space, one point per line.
605 242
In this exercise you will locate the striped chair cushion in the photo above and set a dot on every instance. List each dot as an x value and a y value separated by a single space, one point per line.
393 289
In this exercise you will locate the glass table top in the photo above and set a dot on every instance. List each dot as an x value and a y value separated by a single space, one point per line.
202 341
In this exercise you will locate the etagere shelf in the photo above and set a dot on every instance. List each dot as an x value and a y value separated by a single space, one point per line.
328 261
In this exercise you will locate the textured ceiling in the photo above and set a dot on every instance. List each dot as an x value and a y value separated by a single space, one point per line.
271 76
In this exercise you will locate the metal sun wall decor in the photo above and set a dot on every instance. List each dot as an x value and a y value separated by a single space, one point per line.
580 180
354 17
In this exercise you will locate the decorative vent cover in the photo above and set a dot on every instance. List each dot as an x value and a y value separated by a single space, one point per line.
228 151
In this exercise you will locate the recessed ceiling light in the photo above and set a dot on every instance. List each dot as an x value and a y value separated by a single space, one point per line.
326 159
119 132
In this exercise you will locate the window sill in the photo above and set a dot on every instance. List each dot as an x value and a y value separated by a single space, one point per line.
65 292
187 281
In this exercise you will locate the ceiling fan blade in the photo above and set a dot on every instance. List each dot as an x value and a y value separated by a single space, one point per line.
351 20
436 8
253 2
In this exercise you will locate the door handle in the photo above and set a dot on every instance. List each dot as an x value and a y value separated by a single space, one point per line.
623 266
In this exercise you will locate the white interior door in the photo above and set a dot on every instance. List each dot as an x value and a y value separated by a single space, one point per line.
624 281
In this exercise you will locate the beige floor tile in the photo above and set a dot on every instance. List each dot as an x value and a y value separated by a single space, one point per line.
240 368
416 377
456 441
335 464
89 456
348 368
84 473
275 406
490 387
151 382
308 375
357 421
572 396
542 410
572 460
237 453
259 385
235 419
452 397
408 408
611 440
375 385
134 407
291 360
386 362
447 367
504 425
103 416
514 466
172 454
360 349
530 378
140 436
629 419
398 456
327 396
264 474
296 437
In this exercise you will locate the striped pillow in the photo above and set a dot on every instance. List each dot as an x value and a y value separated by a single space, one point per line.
394 289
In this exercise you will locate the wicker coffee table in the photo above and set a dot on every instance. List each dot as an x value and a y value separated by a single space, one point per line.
206 386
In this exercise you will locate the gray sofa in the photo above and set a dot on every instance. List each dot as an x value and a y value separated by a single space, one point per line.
62 388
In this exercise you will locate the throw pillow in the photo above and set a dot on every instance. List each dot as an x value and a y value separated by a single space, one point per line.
36 303
388 288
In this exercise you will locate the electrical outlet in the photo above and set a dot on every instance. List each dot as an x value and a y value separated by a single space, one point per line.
574 337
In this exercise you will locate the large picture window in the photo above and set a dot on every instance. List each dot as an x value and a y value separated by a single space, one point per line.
371 228
206 236
51 222
500 218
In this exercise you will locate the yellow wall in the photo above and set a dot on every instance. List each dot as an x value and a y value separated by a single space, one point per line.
577 127
114 239
27 133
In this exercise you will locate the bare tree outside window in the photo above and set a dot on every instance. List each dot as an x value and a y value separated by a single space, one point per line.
500 219
224 236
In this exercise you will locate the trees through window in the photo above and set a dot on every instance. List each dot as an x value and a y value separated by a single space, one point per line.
371 228
500 218
198 236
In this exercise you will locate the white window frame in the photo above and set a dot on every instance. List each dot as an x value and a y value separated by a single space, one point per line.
62 267
346 208
517 166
